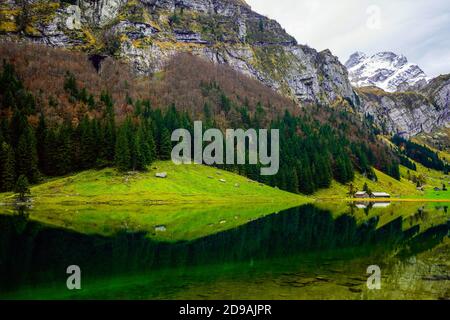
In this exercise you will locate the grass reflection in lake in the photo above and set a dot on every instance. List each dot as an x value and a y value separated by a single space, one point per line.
302 253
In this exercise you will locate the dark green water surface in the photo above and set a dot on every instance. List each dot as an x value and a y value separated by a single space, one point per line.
307 252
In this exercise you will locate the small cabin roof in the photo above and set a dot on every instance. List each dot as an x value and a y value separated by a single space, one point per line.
361 193
380 194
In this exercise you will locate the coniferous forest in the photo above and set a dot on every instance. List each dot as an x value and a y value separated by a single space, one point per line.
421 154
312 153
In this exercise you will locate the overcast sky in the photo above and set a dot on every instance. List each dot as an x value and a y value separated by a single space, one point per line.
419 29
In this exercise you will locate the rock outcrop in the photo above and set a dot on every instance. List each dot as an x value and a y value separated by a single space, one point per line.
397 95
438 90
408 113
148 32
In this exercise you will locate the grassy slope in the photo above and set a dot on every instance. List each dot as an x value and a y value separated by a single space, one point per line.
196 202
184 184
195 183
385 183
433 179
398 189
190 203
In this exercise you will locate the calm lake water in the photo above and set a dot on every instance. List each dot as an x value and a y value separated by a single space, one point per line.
311 252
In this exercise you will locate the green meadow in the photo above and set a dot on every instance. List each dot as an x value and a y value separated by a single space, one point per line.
184 184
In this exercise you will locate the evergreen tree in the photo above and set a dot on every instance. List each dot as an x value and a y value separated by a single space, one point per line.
64 147
225 103
165 145
50 149
41 137
107 100
7 167
122 151
151 143
88 143
22 188
18 124
70 85
207 114
26 156
349 169
306 184
340 170
260 114
366 187
109 137
293 181
141 151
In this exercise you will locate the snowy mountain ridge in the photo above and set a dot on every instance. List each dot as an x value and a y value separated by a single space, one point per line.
386 70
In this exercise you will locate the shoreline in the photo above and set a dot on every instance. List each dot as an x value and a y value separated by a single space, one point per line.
220 202
379 200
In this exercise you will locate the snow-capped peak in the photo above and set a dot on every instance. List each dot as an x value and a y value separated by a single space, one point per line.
386 70
355 59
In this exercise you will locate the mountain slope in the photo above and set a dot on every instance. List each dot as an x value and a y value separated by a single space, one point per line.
148 32
184 184
404 113
408 113
386 70
438 90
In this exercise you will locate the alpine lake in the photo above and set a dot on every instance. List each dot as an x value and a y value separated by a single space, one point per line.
249 252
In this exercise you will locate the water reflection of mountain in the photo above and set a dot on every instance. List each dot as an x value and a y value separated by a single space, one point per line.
33 253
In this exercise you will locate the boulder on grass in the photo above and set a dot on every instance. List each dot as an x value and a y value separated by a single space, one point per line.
223 180
162 175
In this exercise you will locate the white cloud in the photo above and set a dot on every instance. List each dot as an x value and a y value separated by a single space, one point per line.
419 29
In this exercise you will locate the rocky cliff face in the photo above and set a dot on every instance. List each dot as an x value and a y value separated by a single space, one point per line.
409 113
438 90
147 32
405 113
396 94
386 70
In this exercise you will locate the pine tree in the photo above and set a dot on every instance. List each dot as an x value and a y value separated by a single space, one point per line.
26 156
88 145
70 86
165 145
366 187
141 151
50 149
107 100
207 114
7 170
109 137
41 138
306 184
340 170
22 188
122 151
293 181
225 103
349 169
18 124
151 143
323 171
64 143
